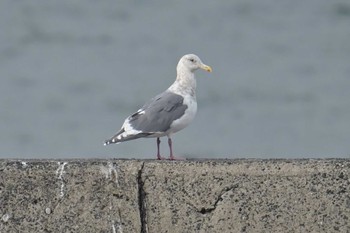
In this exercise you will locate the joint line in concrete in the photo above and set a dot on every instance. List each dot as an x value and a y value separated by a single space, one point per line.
142 201
218 199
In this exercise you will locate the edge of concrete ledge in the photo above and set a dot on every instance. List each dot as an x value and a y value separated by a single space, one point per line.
195 195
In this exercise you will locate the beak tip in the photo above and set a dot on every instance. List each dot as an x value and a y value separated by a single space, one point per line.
207 68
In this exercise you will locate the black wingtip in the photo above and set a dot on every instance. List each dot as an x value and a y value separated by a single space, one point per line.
107 142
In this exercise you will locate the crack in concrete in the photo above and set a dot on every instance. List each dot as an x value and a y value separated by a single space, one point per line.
141 200
204 210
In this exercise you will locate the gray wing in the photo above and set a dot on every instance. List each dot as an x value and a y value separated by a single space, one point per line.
158 114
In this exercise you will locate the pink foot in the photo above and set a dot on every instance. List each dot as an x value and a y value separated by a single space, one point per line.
177 158
160 157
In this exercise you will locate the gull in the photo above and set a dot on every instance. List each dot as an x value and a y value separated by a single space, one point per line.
168 112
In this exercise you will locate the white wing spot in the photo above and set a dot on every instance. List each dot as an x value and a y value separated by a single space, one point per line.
128 130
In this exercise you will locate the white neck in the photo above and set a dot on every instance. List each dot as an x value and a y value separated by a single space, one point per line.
185 83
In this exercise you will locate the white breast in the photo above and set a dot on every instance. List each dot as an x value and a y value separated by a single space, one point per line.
188 116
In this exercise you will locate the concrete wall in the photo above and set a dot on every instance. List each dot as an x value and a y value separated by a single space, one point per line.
188 196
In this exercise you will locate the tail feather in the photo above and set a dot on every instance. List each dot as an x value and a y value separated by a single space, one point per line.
118 138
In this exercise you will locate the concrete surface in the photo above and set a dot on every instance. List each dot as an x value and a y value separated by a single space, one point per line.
165 196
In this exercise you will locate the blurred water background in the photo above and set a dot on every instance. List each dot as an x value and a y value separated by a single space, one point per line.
72 71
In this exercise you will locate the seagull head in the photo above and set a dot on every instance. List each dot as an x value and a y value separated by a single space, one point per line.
192 62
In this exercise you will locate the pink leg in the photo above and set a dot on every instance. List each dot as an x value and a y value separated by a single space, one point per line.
170 143
158 151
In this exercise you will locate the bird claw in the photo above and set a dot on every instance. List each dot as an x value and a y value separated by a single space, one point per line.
160 157
177 158
171 158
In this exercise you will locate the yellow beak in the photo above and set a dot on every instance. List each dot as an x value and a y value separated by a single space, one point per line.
206 68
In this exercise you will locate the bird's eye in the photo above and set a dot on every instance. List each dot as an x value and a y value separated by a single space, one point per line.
191 59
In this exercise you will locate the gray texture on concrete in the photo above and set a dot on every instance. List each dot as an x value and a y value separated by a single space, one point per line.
187 196
69 196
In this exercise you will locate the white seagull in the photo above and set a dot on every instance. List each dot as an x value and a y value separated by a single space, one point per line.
168 112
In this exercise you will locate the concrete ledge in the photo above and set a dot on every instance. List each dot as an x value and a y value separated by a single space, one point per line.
189 196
